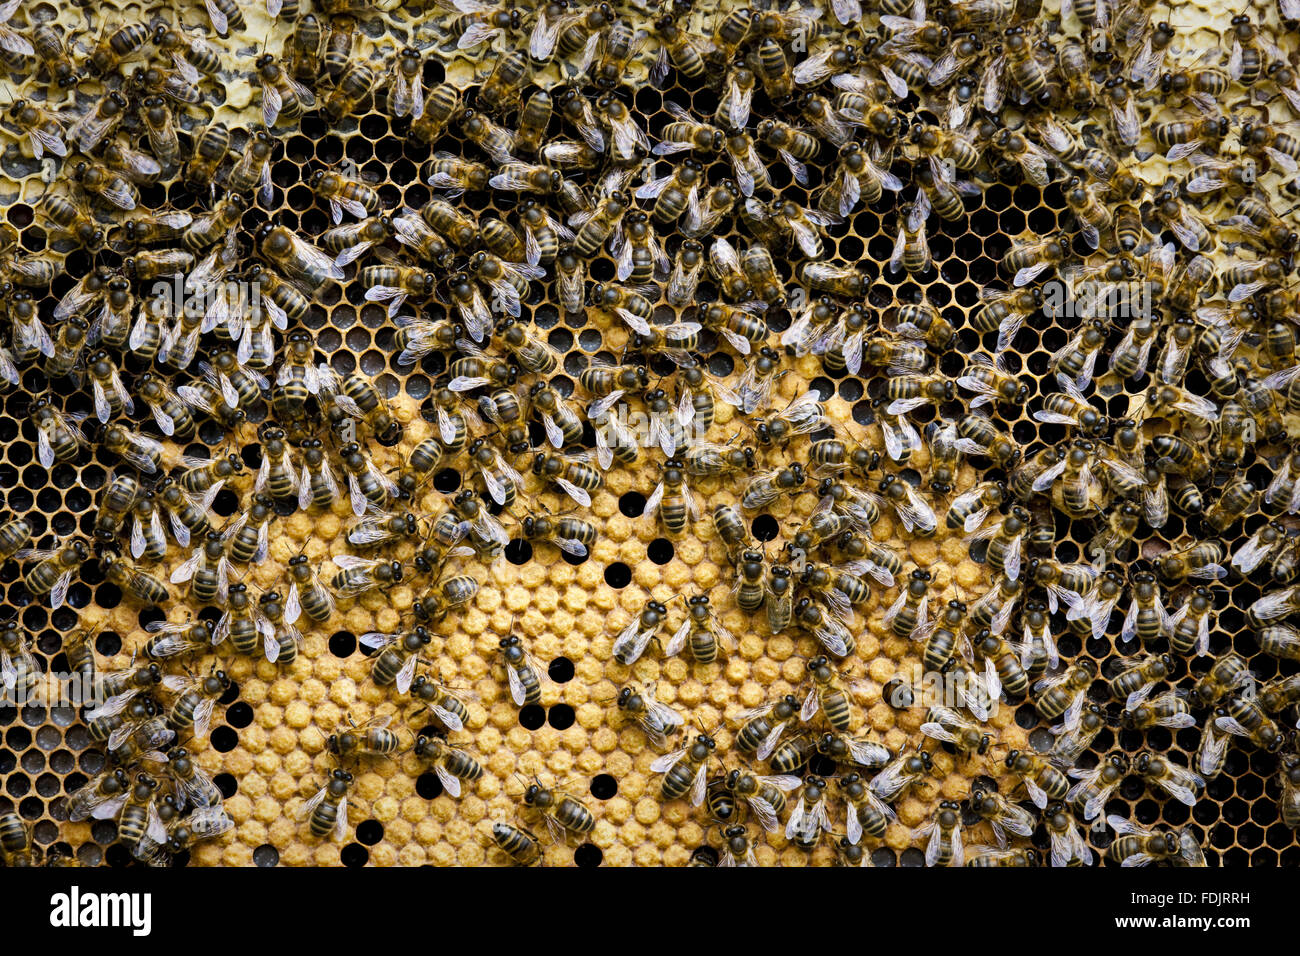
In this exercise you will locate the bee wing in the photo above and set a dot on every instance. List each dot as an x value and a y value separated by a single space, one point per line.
407 674
700 784
667 761
938 731
517 690
377 640
678 640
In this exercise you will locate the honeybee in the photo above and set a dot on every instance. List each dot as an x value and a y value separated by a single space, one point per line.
58 437
948 726
284 250
1179 782
1067 843
101 181
45 132
705 632
911 248
658 721
525 676
47 42
354 85
943 837
1002 815
1137 846
327 810
357 575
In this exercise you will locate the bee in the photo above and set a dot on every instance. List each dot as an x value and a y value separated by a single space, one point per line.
110 51
210 149
399 654
138 819
327 811
523 673
616 47
943 836
453 766
828 697
44 131
16 534
357 575
190 55
109 393
686 770
1067 747
1243 716
57 436
1289 780
563 812
47 44
911 248
909 614
658 721
809 817
28 335
371 739
945 724
296 257
1094 787
768 486
137 449
1164 710
1067 843
441 105
146 588
1179 782
1002 815
521 846
19 673
406 94
306 593
534 118
98 180
354 85
66 349
1041 780
343 194
679 48
1136 846
705 631
1137 677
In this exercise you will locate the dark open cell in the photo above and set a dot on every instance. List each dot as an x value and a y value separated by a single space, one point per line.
429 786
370 832
266 855
588 855
532 717
447 480
519 551
561 717
618 575
227 784
632 504
239 715
603 786
343 644
765 527
224 739
354 855
660 551
561 670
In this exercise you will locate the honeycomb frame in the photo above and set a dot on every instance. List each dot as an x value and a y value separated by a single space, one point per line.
267 751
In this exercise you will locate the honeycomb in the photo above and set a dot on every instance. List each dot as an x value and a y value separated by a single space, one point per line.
268 751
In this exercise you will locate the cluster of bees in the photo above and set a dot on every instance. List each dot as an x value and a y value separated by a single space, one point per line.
722 217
